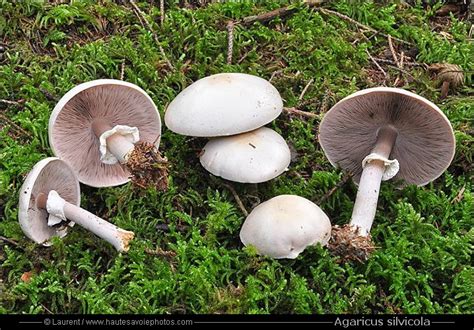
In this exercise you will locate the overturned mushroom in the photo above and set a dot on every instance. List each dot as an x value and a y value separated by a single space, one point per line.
251 157
223 104
379 134
108 131
284 226
49 204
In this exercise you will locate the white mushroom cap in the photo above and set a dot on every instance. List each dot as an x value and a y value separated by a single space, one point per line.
47 175
223 104
252 157
284 226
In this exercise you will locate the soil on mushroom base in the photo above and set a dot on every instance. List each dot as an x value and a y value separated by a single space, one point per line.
147 167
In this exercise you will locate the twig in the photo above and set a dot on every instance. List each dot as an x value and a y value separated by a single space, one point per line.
160 252
459 196
162 12
230 41
274 74
279 12
383 60
295 111
48 95
146 24
10 102
236 197
376 64
338 185
363 26
122 70
305 89
413 77
16 127
392 50
11 242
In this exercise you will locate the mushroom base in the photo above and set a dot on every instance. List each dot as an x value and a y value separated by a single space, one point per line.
349 245
147 167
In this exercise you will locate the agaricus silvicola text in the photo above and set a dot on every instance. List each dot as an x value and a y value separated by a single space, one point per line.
379 134
49 205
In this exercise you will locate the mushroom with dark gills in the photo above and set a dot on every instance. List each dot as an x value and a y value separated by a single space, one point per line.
49 205
284 226
108 131
251 157
379 134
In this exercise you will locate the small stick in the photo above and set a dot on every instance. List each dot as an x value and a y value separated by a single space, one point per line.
305 89
237 198
295 111
122 70
48 95
402 59
383 60
409 74
392 50
146 24
162 12
9 102
274 74
363 26
160 252
376 64
459 196
230 41
11 242
16 126
341 183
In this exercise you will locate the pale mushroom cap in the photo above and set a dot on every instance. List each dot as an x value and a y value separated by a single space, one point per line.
251 157
116 102
48 174
223 104
425 144
284 226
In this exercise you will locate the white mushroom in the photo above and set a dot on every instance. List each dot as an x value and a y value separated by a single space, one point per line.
50 197
223 104
252 157
379 134
284 226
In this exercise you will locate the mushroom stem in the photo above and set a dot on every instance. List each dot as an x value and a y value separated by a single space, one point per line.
117 144
116 236
365 204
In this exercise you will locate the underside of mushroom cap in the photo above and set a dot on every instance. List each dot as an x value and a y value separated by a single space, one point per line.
424 146
284 226
223 104
47 175
114 102
251 157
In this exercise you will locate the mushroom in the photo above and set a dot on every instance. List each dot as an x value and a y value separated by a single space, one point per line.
379 134
449 76
251 157
108 131
50 197
284 226
223 104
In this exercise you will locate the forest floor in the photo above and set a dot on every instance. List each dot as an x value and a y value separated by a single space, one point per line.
187 256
